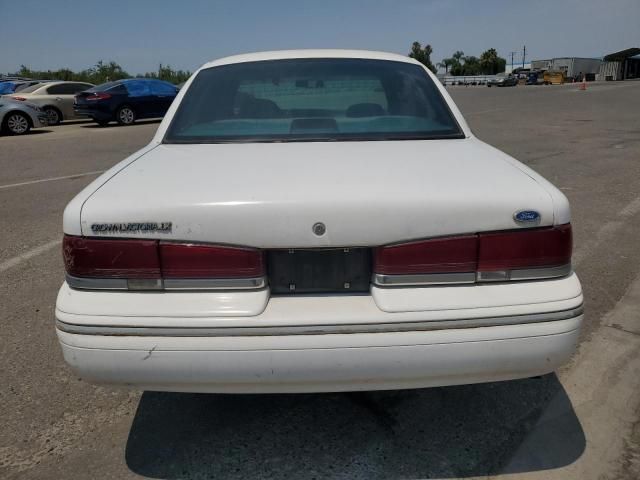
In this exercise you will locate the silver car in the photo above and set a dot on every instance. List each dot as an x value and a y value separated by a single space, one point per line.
17 118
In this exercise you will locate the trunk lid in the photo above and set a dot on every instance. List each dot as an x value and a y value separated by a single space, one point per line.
270 195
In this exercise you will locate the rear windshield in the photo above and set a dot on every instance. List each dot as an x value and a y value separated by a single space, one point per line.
312 99
32 88
107 86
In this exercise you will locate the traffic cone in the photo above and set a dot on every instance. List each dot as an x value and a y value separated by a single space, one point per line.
583 85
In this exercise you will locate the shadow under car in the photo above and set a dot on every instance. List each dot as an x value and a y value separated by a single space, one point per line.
461 431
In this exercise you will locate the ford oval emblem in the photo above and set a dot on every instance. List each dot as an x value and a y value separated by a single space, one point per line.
526 216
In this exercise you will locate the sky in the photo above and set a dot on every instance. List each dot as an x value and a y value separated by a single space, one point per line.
140 34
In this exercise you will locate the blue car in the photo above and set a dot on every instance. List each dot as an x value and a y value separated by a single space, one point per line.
125 101
14 86
7 87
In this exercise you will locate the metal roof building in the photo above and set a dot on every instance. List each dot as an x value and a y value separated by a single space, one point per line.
571 66
622 65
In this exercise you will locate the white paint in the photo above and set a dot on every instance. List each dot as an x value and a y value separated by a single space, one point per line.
367 193
17 260
250 309
269 195
51 179
323 363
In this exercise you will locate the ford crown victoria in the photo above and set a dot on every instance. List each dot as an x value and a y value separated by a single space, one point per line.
316 220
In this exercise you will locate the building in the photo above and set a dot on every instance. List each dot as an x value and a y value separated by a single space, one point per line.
621 65
541 65
510 68
574 67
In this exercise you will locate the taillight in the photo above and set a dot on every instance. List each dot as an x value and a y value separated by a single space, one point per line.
496 256
90 257
21 99
209 261
545 247
98 96
145 264
439 255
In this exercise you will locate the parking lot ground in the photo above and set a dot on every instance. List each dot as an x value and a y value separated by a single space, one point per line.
581 423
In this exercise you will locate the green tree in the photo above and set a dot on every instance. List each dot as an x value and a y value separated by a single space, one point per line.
446 63
491 63
456 63
423 55
101 72
471 65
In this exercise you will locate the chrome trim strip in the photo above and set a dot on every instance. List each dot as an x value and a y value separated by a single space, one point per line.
470 277
423 279
173 284
317 329
214 283
540 273
97 283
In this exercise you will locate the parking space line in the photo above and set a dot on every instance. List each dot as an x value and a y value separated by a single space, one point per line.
18 259
52 179
482 112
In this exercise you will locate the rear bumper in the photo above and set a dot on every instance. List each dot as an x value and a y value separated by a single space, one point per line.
93 113
322 362
249 342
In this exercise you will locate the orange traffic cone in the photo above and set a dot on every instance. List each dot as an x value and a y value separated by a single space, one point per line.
583 85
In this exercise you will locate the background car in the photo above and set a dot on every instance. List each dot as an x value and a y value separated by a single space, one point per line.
55 98
125 101
17 118
29 83
508 81
7 87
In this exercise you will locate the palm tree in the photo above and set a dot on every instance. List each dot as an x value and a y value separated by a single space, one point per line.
445 63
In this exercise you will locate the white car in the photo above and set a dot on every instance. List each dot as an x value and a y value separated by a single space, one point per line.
316 220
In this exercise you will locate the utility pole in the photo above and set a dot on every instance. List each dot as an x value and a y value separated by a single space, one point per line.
524 54
512 54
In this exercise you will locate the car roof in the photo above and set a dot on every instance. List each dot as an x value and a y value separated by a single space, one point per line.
51 83
311 53
141 79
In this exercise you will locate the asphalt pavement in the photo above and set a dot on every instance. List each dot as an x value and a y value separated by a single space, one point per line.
580 423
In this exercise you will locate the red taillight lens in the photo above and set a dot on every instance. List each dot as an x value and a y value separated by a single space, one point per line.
484 252
206 261
439 255
140 259
98 96
90 257
21 99
520 249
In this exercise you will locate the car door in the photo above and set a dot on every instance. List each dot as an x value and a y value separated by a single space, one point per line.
140 98
163 94
59 96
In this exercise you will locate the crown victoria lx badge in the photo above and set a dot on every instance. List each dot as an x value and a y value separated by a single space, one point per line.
163 227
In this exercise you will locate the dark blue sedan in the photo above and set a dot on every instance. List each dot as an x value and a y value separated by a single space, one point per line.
125 101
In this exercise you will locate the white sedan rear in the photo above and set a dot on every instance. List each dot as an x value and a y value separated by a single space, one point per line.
316 220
